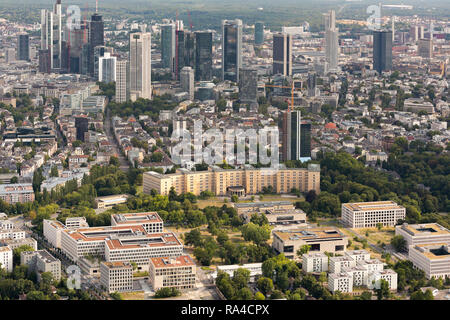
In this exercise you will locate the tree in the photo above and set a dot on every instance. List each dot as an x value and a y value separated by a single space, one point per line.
14 180
167 292
366 295
54 172
193 237
244 294
399 243
234 198
265 285
383 291
379 226
256 234
420 295
114 161
303 250
241 278
323 277
19 250
259 296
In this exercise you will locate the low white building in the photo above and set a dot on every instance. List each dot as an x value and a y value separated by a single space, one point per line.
426 233
338 263
358 255
433 259
315 262
342 282
6 258
370 214
374 280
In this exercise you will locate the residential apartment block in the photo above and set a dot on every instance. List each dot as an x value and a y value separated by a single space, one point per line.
116 276
178 272
19 192
222 181
6 258
41 261
342 282
321 239
370 214
315 262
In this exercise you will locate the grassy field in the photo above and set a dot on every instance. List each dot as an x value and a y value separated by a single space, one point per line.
378 236
138 295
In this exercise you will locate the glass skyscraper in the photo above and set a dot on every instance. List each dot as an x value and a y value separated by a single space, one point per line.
231 49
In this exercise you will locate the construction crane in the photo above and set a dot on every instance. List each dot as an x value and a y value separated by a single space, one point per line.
291 105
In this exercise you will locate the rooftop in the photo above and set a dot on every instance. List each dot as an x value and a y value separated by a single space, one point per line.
136 218
171 262
309 234
371 206
425 229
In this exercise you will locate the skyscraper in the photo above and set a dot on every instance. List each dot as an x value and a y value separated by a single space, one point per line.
81 124
189 49
96 38
99 52
140 66
168 46
282 54
259 33
51 35
23 47
382 51
331 40
312 82
425 48
203 56
231 49
107 68
296 137
248 85
122 81
187 81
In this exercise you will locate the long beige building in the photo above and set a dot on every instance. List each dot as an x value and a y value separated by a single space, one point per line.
321 239
220 181
370 214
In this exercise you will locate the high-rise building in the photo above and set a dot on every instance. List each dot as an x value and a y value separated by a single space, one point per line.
189 49
282 54
382 51
122 81
107 68
99 52
51 35
140 66
259 33
248 85
187 81
331 40
231 49
180 52
296 137
312 83
44 61
81 124
10 55
425 48
96 38
421 32
23 47
168 46
414 33
203 56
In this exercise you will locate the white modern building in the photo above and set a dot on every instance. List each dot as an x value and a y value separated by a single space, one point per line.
315 262
370 214
116 276
426 233
140 66
254 268
342 282
374 280
338 263
433 259
176 272
6 258
122 81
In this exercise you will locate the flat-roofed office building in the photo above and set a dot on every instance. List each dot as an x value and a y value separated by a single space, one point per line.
320 239
426 233
151 221
370 214
172 272
433 259
116 276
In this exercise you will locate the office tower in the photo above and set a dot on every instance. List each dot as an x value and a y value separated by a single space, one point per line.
168 46
259 33
81 124
85 58
10 55
382 51
180 52
64 56
76 38
99 52
231 49
189 49
96 38
248 85
107 68
51 35
140 66
282 54
296 137
122 81
44 61
187 81
23 47
312 82
414 33
331 40
393 28
421 32
425 48
203 56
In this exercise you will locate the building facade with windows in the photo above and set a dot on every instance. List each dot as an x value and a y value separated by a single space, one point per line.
176 272
370 214
116 276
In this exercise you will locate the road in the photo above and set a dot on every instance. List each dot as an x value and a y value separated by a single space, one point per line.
124 164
